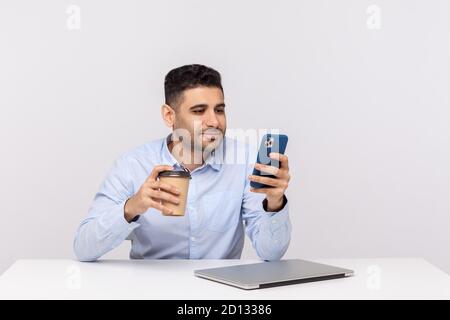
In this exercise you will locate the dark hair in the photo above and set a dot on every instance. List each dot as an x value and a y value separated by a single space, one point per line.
189 77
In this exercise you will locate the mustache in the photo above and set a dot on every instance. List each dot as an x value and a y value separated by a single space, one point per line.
212 131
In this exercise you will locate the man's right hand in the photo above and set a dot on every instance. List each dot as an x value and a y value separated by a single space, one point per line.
150 195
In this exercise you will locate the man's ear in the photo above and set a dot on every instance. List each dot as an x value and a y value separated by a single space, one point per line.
168 115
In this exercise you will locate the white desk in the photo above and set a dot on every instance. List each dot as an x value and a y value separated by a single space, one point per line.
390 278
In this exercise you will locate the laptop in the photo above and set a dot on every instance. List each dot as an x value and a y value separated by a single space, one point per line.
273 273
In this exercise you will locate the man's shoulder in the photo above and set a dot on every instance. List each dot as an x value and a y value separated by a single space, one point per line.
147 150
237 143
240 149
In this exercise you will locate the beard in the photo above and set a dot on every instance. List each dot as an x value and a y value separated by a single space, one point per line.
201 141
210 138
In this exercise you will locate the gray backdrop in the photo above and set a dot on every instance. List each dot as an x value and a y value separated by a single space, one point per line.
360 87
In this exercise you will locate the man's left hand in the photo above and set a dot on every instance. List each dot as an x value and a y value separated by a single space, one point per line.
275 195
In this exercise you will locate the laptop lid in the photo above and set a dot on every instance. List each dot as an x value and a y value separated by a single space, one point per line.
273 273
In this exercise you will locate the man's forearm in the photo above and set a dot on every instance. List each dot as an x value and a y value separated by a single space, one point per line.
272 240
100 234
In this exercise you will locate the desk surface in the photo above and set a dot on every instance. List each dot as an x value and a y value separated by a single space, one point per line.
389 278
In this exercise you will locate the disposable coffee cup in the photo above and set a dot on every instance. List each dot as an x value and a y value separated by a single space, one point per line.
179 179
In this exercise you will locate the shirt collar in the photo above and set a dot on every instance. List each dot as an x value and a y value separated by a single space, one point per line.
215 159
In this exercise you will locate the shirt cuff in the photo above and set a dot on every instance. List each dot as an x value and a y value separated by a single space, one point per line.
264 204
119 226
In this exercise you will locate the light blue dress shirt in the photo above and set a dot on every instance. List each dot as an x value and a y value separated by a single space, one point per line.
219 208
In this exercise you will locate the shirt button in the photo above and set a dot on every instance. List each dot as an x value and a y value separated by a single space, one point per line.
274 221
192 238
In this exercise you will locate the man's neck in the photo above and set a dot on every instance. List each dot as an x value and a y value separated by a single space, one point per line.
185 156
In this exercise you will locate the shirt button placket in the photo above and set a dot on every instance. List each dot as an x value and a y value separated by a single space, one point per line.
192 220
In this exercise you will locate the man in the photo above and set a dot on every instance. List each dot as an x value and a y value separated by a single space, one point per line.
220 201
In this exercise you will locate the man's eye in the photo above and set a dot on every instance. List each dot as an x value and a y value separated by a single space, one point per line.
197 111
220 110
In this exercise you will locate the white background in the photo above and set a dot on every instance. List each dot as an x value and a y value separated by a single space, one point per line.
366 110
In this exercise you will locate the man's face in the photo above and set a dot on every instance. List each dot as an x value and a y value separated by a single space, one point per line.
202 113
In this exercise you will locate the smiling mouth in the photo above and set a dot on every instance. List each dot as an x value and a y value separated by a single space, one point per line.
211 136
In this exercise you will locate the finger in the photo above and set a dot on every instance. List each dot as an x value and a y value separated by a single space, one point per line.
157 195
165 186
267 181
284 161
161 208
267 170
156 170
262 190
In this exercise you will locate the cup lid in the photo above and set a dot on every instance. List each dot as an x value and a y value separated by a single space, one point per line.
175 173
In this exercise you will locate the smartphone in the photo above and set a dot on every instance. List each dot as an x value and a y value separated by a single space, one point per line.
269 143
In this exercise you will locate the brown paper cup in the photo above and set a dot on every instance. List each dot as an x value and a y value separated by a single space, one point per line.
179 179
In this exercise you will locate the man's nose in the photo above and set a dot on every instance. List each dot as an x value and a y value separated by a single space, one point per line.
211 119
